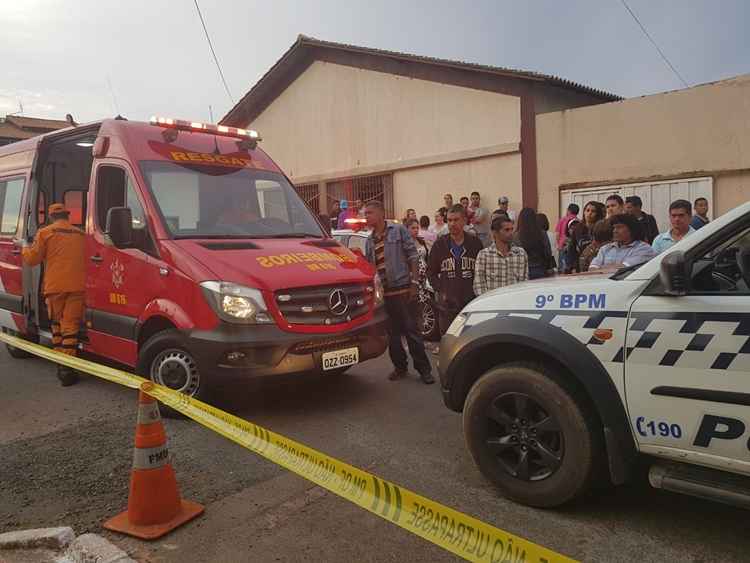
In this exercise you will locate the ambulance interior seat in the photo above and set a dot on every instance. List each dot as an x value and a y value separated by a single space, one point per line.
74 199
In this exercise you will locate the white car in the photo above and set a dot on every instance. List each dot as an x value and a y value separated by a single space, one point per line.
563 379
354 240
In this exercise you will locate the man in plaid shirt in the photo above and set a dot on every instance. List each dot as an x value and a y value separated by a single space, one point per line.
501 263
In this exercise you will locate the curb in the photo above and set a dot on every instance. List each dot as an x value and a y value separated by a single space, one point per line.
38 538
91 548
87 548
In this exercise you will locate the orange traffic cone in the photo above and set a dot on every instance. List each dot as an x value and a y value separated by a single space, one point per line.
154 504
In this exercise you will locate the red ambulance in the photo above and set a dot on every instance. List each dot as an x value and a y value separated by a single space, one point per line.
203 262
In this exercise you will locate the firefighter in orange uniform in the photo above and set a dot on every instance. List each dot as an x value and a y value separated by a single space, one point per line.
61 247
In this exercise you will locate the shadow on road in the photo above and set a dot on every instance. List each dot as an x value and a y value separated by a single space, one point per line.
310 394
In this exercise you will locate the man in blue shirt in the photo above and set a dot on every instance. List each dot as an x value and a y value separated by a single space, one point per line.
680 212
390 248
627 249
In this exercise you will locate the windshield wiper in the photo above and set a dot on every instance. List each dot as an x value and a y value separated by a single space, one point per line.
212 236
248 236
296 235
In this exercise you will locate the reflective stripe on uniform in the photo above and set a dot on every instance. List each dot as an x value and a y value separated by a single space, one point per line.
150 458
56 334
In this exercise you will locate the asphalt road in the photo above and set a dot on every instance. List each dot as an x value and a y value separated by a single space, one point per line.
65 456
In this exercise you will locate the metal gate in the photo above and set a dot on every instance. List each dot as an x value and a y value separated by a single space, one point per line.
364 188
311 194
656 196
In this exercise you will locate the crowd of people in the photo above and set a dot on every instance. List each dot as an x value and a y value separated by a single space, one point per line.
620 233
468 251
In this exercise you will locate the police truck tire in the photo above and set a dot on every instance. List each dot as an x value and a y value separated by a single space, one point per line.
532 434
166 359
17 353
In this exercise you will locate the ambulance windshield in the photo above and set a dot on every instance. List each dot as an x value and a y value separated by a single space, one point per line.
227 202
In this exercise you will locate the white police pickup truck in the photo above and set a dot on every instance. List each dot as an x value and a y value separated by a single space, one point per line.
564 380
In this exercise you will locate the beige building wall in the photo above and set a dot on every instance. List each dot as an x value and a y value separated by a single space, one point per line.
336 121
422 189
700 131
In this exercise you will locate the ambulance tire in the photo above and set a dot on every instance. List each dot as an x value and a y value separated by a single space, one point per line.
17 353
165 359
562 454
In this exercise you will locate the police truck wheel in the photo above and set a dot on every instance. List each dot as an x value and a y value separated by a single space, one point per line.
165 359
17 353
531 435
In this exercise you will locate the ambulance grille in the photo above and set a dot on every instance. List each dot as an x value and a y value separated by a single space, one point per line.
323 305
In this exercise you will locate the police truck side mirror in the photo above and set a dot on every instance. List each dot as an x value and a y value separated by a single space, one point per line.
120 226
675 274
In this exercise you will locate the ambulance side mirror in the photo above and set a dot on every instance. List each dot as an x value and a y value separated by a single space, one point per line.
120 226
675 274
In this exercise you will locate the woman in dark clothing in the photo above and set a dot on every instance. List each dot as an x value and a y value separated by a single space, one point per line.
536 244
582 235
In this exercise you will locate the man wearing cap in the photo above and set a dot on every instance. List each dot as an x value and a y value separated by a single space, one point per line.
502 208
61 246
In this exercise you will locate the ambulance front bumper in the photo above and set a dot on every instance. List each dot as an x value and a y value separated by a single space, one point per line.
266 350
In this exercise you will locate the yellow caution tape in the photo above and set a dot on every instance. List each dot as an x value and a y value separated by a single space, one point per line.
445 527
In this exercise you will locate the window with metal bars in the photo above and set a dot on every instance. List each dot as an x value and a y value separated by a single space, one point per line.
311 194
364 188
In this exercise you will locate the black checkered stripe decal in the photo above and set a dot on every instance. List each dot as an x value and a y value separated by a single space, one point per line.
719 341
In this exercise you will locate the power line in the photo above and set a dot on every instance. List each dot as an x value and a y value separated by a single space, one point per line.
210 45
663 56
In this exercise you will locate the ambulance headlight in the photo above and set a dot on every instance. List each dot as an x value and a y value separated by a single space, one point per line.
237 303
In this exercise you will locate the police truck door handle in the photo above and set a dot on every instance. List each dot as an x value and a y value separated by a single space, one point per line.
96 258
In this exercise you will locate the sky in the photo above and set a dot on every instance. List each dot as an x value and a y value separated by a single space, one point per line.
139 58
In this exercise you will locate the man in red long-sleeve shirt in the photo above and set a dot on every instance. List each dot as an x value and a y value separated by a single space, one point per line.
562 225
561 229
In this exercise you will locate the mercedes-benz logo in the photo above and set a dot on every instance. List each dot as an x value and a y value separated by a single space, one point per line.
338 303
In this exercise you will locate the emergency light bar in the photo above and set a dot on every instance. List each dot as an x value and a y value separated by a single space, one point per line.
223 130
355 224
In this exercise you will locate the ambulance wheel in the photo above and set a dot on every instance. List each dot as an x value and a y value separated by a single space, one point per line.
532 435
17 353
165 359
